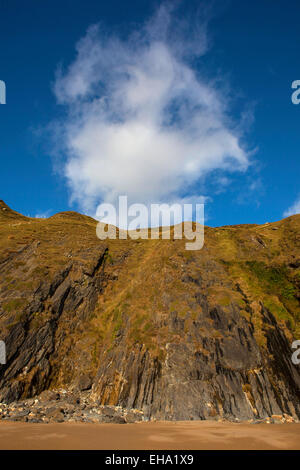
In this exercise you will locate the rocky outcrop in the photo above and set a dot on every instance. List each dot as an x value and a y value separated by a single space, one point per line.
228 376
144 325
29 346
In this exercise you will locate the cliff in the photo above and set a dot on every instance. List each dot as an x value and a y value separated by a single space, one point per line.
147 325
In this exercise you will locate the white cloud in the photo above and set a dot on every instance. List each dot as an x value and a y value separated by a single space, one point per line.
294 209
140 120
43 215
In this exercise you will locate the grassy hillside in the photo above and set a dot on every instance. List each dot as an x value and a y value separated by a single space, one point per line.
97 295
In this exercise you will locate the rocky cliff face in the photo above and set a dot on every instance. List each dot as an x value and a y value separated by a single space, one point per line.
146 324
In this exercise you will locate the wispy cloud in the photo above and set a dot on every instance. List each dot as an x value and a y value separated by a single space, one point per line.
294 209
140 119
43 215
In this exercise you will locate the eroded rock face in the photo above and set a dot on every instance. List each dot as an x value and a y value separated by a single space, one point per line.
30 345
227 376
145 325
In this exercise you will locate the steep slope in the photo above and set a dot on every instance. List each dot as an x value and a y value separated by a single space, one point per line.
146 324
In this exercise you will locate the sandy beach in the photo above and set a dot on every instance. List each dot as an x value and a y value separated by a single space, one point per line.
194 435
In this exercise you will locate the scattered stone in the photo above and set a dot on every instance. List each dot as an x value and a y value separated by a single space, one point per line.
85 382
49 395
57 406
66 406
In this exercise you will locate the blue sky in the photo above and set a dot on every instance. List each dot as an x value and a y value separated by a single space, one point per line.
247 60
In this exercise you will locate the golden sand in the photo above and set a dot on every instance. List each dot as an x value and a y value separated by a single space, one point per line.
182 435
